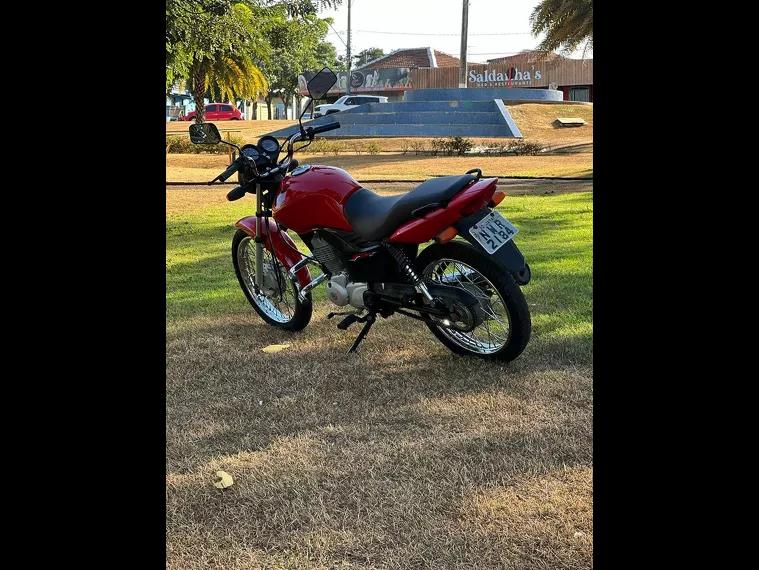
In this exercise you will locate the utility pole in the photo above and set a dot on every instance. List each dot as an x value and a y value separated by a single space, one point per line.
348 87
464 32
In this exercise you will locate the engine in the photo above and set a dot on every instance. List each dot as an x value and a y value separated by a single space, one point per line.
342 292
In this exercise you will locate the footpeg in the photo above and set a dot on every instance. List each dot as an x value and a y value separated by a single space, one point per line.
348 321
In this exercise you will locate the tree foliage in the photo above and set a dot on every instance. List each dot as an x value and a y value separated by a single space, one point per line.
298 44
367 55
568 24
219 48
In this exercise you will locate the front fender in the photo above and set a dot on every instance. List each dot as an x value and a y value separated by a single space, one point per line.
283 246
507 256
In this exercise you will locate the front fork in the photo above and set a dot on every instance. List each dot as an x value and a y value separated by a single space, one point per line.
259 240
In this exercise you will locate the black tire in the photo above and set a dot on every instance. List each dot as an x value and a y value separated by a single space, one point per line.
520 324
301 315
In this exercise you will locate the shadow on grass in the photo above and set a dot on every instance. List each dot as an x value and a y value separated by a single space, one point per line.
401 455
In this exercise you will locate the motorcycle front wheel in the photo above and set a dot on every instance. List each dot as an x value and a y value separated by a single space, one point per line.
504 324
277 303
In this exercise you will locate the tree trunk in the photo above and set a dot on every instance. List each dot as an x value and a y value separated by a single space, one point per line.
283 96
254 115
198 95
268 104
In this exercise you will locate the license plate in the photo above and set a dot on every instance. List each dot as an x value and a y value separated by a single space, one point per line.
493 231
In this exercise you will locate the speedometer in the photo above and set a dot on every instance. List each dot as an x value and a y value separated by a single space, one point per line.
269 144
251 151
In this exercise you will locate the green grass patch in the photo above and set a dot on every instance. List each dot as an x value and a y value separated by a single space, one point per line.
555 236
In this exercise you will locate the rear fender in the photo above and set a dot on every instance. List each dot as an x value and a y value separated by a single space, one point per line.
283 246
507 256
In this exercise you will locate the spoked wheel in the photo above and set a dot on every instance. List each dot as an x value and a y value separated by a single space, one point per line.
277 302
503 324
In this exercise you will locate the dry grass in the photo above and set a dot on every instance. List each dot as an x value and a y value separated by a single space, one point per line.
200 168
251 130
402 456
192 199
537 122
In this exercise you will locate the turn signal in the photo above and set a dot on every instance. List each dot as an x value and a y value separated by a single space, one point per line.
447 235
497 198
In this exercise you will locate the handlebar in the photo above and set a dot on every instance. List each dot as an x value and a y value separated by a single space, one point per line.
231 169
286 165
236 193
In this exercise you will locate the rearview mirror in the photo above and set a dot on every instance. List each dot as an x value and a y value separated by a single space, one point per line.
204 133
321 83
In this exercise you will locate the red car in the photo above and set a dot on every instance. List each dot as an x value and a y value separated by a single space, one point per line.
217 112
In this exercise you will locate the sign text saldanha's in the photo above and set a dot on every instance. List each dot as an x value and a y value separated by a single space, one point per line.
512 76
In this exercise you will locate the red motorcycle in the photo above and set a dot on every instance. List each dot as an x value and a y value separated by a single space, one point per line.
467 291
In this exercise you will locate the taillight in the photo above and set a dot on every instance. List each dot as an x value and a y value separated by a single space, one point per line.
497 198
446 235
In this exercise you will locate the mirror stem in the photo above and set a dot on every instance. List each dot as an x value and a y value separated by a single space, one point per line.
300 118
232 144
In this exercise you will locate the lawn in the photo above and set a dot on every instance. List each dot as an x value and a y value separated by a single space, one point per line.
204 167
401 456
537 121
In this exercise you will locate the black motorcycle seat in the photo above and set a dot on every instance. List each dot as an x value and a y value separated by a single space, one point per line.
374 217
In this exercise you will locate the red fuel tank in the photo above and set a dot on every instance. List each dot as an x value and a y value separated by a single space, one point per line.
313 197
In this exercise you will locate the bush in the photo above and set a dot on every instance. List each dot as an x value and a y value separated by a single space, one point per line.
336 147
405 145
459 145
418 146
182 145
521 146
455 145
372 148
357 146
439 145
319 146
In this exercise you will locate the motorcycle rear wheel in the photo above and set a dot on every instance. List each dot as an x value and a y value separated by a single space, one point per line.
505 329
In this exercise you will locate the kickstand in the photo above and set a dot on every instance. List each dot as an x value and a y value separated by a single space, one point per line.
369 321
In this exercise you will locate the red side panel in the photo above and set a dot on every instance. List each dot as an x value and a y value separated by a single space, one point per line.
284 248
466 202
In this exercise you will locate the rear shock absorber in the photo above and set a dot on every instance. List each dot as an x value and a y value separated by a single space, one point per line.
405 265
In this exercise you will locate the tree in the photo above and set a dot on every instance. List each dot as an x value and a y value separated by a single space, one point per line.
217 47
326 56
298 44
214 46
566 23
367 55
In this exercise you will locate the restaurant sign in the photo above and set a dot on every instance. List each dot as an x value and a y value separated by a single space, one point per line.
365 80
509 77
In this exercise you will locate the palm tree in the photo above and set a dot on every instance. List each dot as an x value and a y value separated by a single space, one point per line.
218 51
225 77
566 23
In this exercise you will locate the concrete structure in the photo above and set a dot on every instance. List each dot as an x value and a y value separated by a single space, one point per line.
434 113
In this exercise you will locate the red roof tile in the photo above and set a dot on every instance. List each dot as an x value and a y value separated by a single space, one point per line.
413 57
